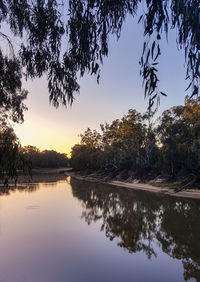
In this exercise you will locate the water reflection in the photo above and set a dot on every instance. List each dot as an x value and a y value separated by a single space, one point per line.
139 221
21 187
28 187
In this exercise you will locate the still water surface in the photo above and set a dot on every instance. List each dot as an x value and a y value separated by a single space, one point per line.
73 231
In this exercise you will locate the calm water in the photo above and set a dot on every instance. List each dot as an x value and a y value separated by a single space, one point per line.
74 231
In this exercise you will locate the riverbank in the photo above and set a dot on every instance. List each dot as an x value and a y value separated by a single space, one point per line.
151 186
155 186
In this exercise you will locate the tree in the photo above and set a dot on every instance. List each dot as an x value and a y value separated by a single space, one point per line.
88 27
136 147
91 138
123 140
179 131
11 156
88 154
125 144
11 93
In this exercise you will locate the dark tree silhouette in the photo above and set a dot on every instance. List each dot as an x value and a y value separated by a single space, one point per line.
84 30
11 157
46 158
63 41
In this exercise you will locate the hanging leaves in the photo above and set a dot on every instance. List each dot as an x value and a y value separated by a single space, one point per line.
87 28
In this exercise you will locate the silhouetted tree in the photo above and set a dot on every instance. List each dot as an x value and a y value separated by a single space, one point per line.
46 158
84 28
63 45
11 157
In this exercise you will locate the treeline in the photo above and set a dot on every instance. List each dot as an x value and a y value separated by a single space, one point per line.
44 159
138 146
14 158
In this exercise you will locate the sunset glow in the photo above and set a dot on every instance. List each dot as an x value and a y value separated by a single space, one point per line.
48 128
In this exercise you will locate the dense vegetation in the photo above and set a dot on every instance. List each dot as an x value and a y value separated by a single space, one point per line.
45 159
11 157
14 158
66 40
137 147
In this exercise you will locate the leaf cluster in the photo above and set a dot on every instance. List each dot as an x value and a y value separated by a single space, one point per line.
11 157
64 45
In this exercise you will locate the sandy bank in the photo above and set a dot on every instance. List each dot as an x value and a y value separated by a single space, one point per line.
187 193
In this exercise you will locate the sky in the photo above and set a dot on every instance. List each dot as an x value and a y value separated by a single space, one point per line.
120 89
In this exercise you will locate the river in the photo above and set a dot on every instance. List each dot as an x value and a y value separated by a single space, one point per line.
76 231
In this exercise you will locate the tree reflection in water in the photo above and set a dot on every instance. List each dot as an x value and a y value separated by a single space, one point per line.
140 219
32 187
28 187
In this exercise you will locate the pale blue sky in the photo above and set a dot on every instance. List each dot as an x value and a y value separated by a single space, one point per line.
120 89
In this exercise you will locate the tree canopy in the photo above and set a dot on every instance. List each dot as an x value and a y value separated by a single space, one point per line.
137 146
45 159
12 158
65 41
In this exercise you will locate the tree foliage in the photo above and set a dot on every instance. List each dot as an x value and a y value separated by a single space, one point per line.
180 136
11 157
128 143
92 22
64 44
46 158
11 93
138 145
15 159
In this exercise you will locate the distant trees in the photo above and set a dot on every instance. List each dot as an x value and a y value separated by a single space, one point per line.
46 158
134 143
14 158
64 45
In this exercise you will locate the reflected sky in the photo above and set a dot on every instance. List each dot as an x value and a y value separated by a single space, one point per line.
78 231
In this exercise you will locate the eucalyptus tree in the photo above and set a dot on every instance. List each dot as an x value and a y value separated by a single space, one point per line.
123 144
65 41
11 156
123 140
179 131
88 154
